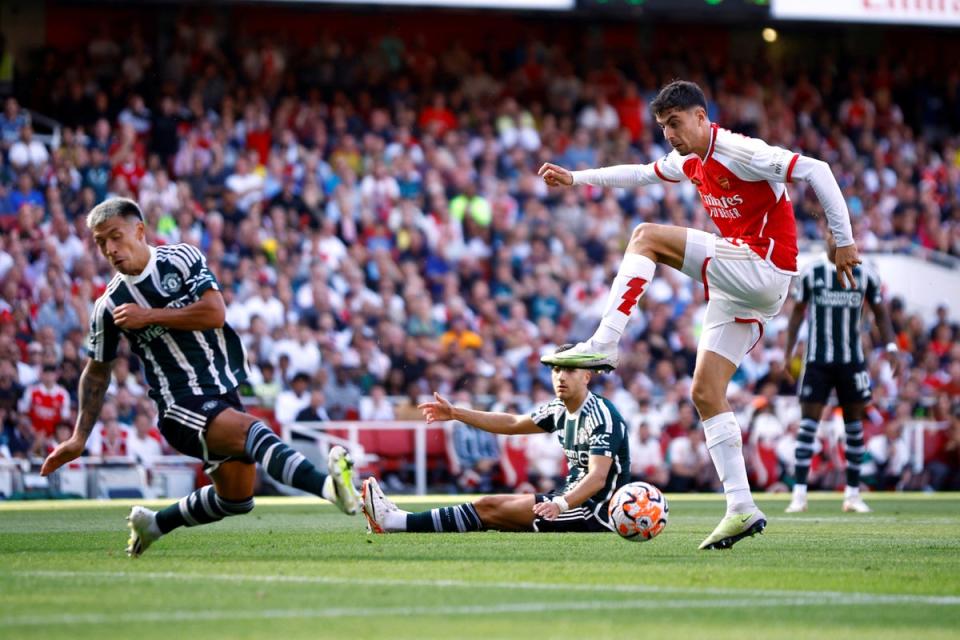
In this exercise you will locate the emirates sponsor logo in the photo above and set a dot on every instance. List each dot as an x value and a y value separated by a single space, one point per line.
723 201
722 207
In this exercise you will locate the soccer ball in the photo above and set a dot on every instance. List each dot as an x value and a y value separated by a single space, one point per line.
638 511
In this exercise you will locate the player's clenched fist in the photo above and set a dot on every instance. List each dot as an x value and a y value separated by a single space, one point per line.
555 175
131 316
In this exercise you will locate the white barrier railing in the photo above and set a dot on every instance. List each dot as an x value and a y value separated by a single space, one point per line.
96 476
318 432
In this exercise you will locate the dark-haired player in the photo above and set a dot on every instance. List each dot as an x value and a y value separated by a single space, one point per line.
167 302
593 436
745 271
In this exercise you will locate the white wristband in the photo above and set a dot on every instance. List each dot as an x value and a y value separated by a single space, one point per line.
561 502
892 347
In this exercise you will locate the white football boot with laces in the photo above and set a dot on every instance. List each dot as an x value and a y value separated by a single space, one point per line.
376 506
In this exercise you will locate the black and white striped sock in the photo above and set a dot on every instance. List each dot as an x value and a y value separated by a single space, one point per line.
460 518
203 506
805 439
854 452
281 462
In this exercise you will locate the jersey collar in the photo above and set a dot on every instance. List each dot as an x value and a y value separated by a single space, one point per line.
714 127
143 275
575 414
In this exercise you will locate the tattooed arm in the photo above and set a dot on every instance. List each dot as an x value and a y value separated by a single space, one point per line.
93 387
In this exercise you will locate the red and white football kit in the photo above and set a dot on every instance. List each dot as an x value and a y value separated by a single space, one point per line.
45 407
746 271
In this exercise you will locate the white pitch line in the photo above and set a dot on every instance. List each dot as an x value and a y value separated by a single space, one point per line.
183 615
831 597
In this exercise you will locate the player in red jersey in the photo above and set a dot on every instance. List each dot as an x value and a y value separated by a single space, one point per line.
745 271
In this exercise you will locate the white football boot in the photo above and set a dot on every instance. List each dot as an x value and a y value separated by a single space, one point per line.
855 504
735 527
376 506
586 355
797 505
142 523
338 487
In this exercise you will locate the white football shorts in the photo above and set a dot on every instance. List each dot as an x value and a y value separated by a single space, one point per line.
742 289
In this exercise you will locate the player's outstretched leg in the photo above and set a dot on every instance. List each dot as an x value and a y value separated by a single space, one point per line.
852 500
649 244
203 506
230 495
384 517
285 464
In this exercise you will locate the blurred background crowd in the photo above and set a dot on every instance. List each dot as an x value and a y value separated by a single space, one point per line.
372 210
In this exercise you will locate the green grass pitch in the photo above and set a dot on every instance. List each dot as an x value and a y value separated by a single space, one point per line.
296 568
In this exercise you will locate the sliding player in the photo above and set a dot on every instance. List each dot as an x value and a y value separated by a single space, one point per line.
168 304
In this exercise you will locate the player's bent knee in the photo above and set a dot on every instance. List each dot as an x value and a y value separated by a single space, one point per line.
488 508
642 236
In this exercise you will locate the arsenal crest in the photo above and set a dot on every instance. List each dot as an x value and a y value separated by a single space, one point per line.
724 183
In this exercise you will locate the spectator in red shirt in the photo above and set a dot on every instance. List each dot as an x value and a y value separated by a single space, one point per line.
630 109
437 118
47 403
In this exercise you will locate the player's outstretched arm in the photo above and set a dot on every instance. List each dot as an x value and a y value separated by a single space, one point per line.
93 387
208 312
819 176
622 175
506 423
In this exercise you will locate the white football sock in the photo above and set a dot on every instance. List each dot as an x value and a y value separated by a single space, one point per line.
725 444
636 272
851 492
800 492
395 521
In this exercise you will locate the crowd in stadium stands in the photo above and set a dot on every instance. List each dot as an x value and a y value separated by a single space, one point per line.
377 225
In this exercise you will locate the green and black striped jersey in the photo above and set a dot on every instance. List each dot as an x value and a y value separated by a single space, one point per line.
834 313
595 429
177 363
